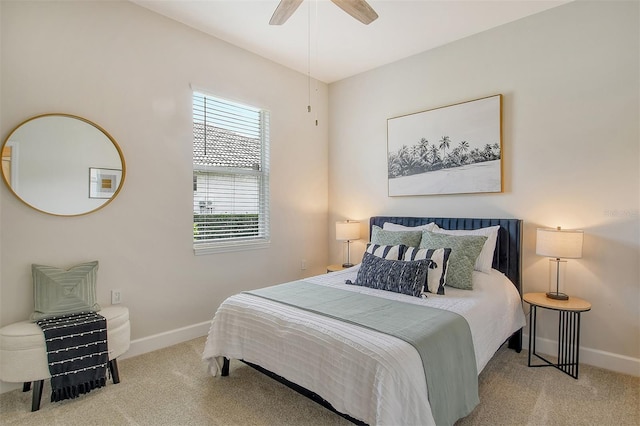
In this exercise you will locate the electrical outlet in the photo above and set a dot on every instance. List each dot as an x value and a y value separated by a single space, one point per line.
303 264
116 297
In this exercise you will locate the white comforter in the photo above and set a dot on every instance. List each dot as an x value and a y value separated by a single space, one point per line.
368 375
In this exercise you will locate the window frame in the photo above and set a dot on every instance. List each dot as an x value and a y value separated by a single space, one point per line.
262 240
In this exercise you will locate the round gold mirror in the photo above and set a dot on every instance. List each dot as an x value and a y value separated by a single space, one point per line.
62 164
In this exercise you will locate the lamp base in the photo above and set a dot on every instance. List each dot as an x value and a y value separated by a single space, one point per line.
557 296
347 265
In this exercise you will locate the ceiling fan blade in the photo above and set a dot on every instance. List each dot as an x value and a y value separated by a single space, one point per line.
284 10
359 9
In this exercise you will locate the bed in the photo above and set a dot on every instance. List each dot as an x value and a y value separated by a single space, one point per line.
364 375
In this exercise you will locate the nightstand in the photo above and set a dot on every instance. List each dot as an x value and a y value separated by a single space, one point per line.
568 330
335 268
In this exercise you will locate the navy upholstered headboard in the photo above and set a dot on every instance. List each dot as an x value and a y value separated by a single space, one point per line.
507 257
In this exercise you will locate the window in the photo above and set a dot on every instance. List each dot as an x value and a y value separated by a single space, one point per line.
230 175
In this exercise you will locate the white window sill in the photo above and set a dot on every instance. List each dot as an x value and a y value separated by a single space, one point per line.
229 246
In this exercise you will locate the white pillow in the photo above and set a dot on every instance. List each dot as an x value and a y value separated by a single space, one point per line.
485 259
388 226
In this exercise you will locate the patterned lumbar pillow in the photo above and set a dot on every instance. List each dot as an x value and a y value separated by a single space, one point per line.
437 275
464 252
387 252
59 292
397 276
394 238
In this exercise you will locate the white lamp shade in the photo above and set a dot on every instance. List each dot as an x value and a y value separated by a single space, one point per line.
347 231
559 243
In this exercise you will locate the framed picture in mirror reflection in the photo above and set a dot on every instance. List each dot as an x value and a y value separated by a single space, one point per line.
103 182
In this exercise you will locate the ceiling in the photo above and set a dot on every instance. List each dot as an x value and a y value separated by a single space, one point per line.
323 41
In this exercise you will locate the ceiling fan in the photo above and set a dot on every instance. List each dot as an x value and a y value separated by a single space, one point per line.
359 9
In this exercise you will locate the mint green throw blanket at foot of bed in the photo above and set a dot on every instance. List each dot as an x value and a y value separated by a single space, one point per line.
442 338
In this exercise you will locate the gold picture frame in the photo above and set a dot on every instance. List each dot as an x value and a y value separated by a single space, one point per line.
456 149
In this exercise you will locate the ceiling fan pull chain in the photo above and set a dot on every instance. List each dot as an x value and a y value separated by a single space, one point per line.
309 56
317 31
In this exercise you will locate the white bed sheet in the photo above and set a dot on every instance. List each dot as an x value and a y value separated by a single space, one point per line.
368 375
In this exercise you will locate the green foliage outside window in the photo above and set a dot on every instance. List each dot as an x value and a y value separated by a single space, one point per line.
218 226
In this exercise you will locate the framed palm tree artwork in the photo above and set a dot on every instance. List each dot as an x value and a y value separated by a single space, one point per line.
456 149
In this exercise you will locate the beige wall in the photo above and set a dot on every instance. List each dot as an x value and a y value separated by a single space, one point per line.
130 70
569 77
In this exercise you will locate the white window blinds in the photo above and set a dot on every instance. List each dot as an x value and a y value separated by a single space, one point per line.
230 175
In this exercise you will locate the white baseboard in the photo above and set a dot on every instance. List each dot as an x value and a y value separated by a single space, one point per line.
597 358
166 339
146 344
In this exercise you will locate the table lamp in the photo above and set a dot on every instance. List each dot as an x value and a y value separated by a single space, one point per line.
347 231
558 244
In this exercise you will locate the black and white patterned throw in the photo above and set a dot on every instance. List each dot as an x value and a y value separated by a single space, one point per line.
77 353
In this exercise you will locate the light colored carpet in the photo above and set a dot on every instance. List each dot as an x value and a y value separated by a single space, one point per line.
171 387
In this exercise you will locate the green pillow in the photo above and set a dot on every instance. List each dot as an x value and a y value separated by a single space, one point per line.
59 292
465 249
395 238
